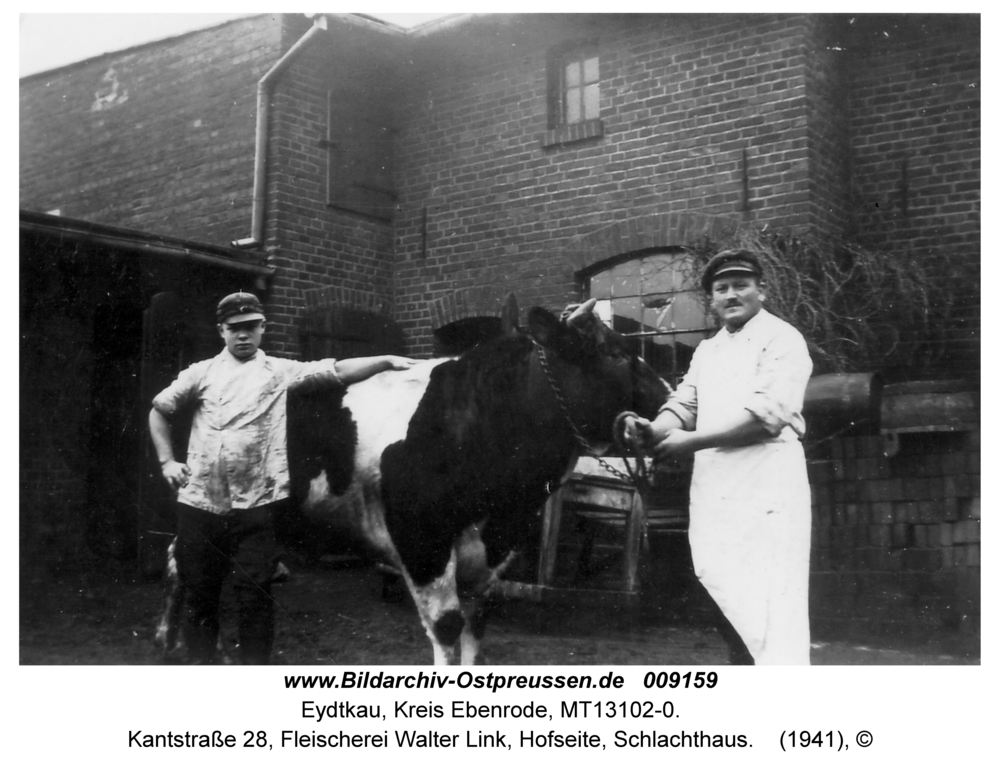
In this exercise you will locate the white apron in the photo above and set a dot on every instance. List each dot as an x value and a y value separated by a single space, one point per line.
750 538
751 506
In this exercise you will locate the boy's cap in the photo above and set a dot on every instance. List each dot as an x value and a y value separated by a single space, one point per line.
239 307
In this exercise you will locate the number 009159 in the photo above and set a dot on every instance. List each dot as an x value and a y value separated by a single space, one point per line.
675 679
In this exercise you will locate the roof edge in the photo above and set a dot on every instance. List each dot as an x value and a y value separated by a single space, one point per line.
365 21
133 239
439 25
133 48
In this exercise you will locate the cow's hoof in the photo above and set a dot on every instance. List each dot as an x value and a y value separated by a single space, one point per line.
281 573
448 627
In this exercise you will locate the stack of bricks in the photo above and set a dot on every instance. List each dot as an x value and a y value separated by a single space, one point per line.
896 540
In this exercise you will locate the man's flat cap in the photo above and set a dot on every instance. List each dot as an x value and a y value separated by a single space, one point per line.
731 262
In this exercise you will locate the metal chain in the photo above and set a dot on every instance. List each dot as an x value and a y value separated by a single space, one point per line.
638 476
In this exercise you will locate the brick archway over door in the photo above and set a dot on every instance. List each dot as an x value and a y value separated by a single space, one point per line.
664 230
342 322
462 304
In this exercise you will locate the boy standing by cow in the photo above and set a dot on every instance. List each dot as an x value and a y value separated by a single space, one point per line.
236 473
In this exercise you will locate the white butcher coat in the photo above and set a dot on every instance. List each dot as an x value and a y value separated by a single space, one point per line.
237 449
750 506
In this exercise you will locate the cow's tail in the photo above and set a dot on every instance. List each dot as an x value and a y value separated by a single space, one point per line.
167 637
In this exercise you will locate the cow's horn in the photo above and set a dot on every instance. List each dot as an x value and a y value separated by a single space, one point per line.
581 312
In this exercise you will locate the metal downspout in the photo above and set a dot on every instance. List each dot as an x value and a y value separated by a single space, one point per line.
256 237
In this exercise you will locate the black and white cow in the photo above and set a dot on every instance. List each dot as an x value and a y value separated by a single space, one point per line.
442 468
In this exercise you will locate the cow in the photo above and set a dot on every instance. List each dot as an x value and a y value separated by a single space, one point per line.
441 469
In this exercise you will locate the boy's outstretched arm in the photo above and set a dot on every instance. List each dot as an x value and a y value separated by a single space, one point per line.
359 368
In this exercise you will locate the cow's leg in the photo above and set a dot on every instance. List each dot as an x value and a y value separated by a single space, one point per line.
475 580
474 609
472 576
441 615
168 627
427 557
440 612
474 612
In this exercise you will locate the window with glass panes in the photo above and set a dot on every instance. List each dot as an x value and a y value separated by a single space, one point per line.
581 90
655 300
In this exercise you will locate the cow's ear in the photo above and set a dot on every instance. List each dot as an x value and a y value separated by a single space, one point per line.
509 316
544 326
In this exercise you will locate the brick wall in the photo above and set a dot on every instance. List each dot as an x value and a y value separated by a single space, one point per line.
683 99
829 213
915 142
729 115
896 541
158 138
918 102
161 139
314 246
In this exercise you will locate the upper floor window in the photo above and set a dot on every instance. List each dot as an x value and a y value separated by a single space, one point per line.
656 300
359 143
574 74
580 86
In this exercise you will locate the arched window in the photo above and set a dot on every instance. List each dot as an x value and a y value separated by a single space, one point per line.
655 298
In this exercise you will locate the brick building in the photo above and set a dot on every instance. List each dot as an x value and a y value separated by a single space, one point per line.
401 183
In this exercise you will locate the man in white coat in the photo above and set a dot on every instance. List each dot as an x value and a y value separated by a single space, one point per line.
739 411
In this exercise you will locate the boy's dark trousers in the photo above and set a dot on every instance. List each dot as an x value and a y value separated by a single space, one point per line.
209 548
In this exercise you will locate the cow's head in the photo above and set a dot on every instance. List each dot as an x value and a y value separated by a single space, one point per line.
595 371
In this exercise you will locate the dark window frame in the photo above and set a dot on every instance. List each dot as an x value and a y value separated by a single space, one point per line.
360 162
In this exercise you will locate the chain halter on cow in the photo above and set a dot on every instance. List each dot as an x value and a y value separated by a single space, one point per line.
639 476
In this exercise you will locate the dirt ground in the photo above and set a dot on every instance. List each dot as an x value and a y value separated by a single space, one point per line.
334 612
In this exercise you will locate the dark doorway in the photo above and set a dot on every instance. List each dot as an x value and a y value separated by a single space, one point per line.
116 429
342 333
